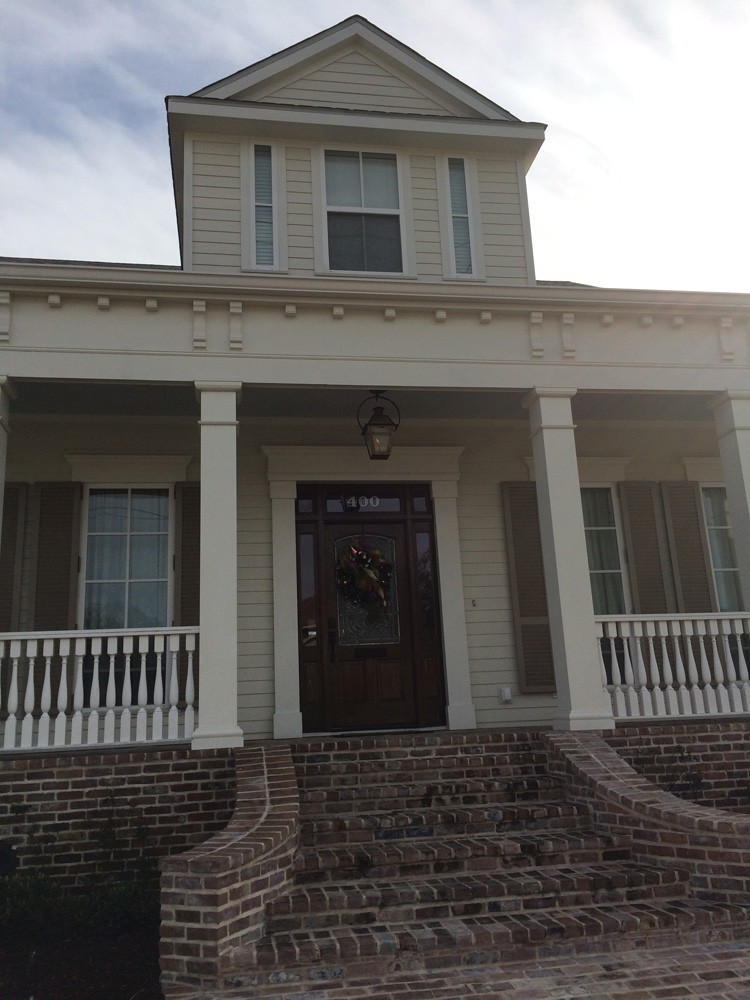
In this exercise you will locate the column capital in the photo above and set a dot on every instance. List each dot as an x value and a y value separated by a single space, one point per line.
201 387
731 412
544 392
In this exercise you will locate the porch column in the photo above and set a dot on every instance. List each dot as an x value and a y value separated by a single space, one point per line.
732 417
460 707
4 431
287 719
217 695
583 702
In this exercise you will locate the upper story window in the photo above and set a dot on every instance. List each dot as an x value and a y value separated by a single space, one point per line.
726 573
603 550
459 199
263 207
363 211
263 233
463 255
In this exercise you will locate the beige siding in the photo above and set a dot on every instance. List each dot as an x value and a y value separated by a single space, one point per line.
216 204
426 217
502 226
355 81
299 194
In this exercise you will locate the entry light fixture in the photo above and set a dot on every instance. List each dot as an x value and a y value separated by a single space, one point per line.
379 430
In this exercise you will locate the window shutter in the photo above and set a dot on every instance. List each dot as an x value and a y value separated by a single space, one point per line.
687 540
57 556
187 552
647 561
11 552
533 642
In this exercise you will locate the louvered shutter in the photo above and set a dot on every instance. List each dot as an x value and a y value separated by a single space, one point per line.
187 550
11 550
687 541
57 556
648 562
533 642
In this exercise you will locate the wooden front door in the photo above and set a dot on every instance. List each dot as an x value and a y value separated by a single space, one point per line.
370 650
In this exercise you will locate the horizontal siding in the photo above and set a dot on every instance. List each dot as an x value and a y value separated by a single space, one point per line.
425 213
216 204
502 227
354 81
300 236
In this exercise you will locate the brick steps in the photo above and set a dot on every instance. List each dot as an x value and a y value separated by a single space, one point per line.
368 902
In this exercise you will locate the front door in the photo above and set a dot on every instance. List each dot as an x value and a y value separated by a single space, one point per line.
370 651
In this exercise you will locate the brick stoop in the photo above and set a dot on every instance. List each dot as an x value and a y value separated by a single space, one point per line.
433 851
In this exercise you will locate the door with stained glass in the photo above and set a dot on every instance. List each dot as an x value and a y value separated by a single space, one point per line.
370 649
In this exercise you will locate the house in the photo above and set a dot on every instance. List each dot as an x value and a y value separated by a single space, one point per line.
196 544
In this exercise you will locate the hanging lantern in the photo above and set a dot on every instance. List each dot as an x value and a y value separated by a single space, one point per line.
379 430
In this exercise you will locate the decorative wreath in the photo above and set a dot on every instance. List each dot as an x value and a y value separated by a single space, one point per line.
363 576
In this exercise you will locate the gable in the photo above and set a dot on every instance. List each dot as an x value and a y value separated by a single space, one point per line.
356 81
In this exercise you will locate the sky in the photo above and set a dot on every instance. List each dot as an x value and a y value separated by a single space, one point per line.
642 181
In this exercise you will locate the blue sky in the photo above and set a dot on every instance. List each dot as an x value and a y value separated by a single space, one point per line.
642 181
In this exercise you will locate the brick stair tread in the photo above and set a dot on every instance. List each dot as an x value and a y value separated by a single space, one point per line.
515 846
351 766
408 823
419 743
458 936
367 901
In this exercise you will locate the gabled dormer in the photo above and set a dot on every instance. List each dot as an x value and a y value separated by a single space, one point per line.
351 155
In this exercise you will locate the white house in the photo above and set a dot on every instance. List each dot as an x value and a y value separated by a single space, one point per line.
549 542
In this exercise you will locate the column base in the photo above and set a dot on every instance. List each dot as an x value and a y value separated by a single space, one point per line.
461 716
217 739
584 720
287 725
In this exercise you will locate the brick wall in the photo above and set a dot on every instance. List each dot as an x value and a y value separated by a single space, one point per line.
704 761
110 812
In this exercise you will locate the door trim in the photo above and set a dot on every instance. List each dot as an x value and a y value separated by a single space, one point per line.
288 465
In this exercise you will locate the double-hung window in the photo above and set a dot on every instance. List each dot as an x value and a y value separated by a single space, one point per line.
726 573
363 212
127 558
603 550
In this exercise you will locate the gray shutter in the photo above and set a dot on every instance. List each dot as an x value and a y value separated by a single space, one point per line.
187 552
533 643
688 546
55 596
11 553
648 562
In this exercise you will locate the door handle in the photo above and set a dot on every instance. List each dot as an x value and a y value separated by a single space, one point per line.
332 639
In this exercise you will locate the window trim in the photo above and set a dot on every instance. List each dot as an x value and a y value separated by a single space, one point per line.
478 272
320 212
247 206
128 485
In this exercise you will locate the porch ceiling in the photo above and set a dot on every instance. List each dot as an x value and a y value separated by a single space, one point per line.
328 403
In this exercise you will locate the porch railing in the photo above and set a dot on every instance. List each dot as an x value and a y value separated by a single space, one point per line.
65 689
675 665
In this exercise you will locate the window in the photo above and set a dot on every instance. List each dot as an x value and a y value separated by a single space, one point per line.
263 205
263 209
126 560
603 550
721 546
363 211
459 202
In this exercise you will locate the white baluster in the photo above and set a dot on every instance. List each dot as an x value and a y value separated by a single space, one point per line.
670 695
61 721
42 737
645 708
141 720
735 694
127 690
189 687
9 741
696 695
157 719
683 695
76 726
173 684
709 695
657 695
110 651
722 695
741 628
92 732
27 726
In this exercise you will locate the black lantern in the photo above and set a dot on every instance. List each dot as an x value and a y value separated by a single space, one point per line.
379 430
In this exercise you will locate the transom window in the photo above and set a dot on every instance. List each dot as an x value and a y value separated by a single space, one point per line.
126 581
363 211
721 545
603 550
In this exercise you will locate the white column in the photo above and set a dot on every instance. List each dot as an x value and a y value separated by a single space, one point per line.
287 719
4 431
460 707
732 416
217 694
583 703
